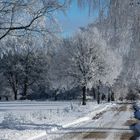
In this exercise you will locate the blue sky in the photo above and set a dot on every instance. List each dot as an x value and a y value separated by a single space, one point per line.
74 18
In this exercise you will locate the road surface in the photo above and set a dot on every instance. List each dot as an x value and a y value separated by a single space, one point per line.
114 124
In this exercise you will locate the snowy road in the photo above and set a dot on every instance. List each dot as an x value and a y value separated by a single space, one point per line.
111 125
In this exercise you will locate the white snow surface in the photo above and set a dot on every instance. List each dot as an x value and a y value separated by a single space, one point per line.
137 115
31 120
111 118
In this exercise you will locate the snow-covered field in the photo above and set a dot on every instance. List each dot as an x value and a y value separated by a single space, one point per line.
30 119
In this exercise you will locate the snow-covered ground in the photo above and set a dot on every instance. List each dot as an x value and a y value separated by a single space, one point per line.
30 119
137 115
113 124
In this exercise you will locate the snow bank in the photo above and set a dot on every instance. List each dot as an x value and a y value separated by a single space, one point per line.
137 115
98 109
137 128
136 107
31 120
87 117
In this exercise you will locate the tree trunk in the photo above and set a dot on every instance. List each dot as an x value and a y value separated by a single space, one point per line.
112 96
25 90
98 96
84 95
15 94
94 94
6 98
109 97
13 82
56 94
55 97
15 91
98 100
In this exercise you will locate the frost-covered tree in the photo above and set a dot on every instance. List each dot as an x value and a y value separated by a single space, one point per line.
19 17
123 29
22 64
86 58
85 61
11 68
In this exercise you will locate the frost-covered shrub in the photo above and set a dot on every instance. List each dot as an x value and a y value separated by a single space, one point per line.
132 96
11 120
66 109
39 115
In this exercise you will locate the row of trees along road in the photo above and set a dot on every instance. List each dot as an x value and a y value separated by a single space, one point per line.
33 60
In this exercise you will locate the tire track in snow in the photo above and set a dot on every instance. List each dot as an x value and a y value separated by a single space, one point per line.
119 120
